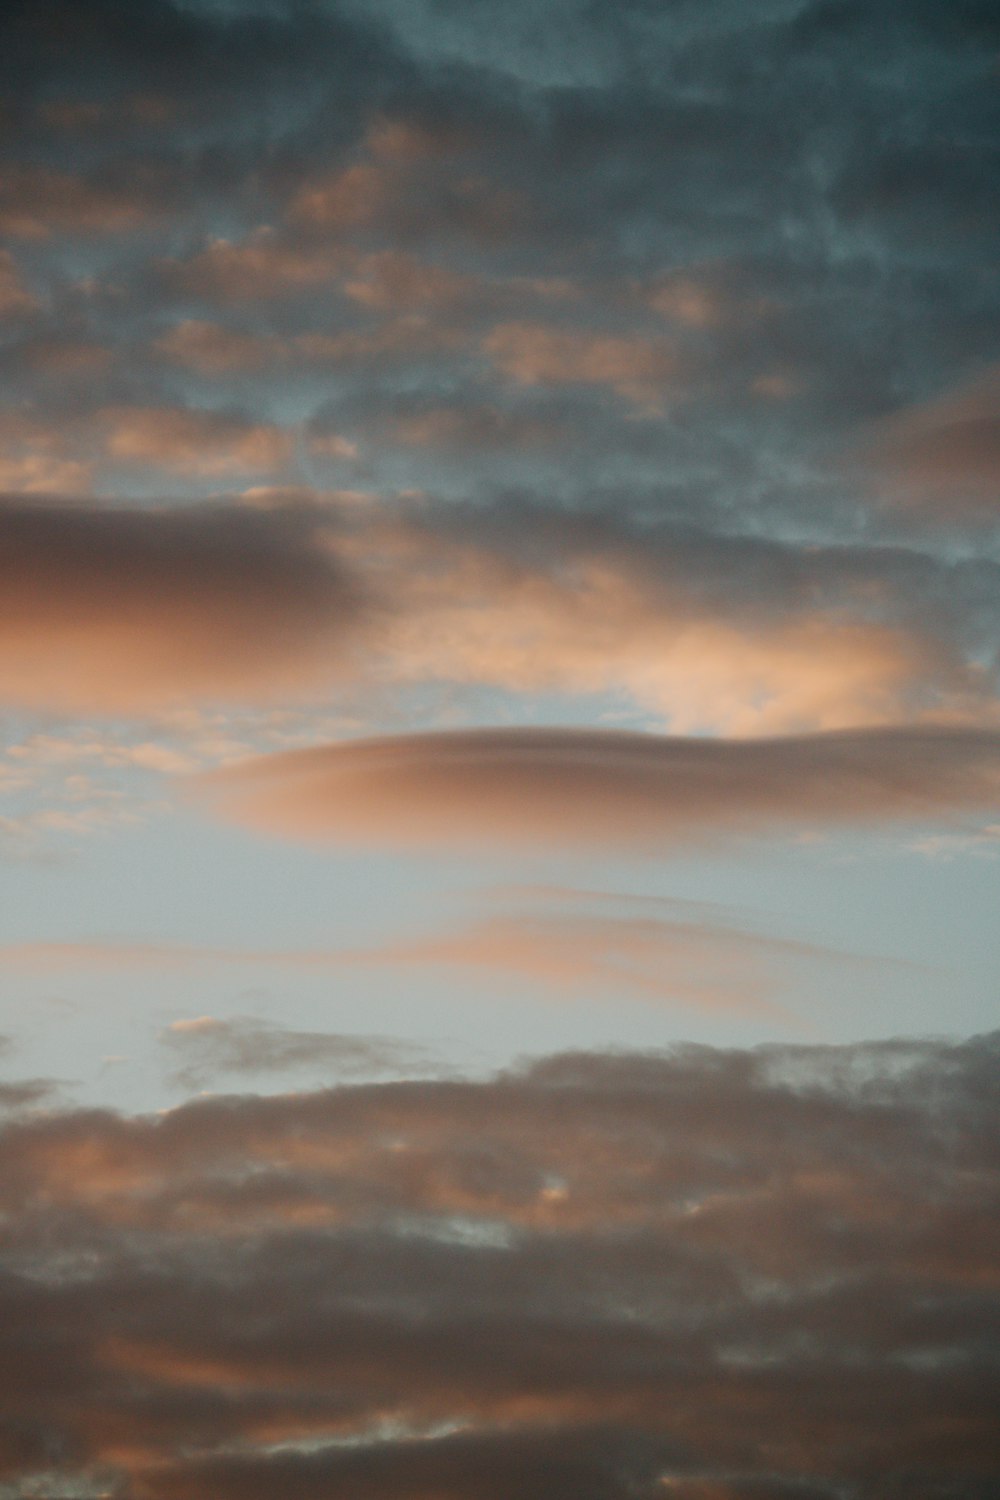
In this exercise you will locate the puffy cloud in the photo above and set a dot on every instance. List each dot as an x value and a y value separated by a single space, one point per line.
605 787
121 610
45 474
733 634
353 196
736 635
707 1273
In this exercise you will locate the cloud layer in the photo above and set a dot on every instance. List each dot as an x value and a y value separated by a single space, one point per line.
723 1274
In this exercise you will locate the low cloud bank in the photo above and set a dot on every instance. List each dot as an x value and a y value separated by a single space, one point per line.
708 1273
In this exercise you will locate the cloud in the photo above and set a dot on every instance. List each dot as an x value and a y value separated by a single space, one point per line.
636 368
620 948
736 634
183 440
26 1093
568 943
36 202
710 1273
15 298
702 633
264 265
944 456
208 1047
114 610
211 349
607 788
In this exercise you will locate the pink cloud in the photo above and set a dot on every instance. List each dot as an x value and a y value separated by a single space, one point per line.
118 610
636 367
541 787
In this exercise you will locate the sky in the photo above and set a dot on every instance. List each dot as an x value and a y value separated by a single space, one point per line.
499 749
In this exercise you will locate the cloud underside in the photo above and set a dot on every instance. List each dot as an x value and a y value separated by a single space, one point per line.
115 610
715 1274
607 788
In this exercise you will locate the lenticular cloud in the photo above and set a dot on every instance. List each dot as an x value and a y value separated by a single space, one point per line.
606 787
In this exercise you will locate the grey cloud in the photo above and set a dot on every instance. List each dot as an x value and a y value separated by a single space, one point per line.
25 1093
753 1274
208 1047
835 242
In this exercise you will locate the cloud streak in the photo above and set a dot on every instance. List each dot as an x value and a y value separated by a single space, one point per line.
585 945
606 788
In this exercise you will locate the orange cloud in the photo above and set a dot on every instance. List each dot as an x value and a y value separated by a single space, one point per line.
639 953
705 634
612 789
211 349
636 367
38 201
187 441
351 197
391 281
264 265
15 298
117 610
705 966
599 626
944 457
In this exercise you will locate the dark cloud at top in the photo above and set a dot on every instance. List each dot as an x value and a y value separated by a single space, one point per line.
724 1275
797 200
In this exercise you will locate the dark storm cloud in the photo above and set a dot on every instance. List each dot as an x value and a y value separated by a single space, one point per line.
767 1273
